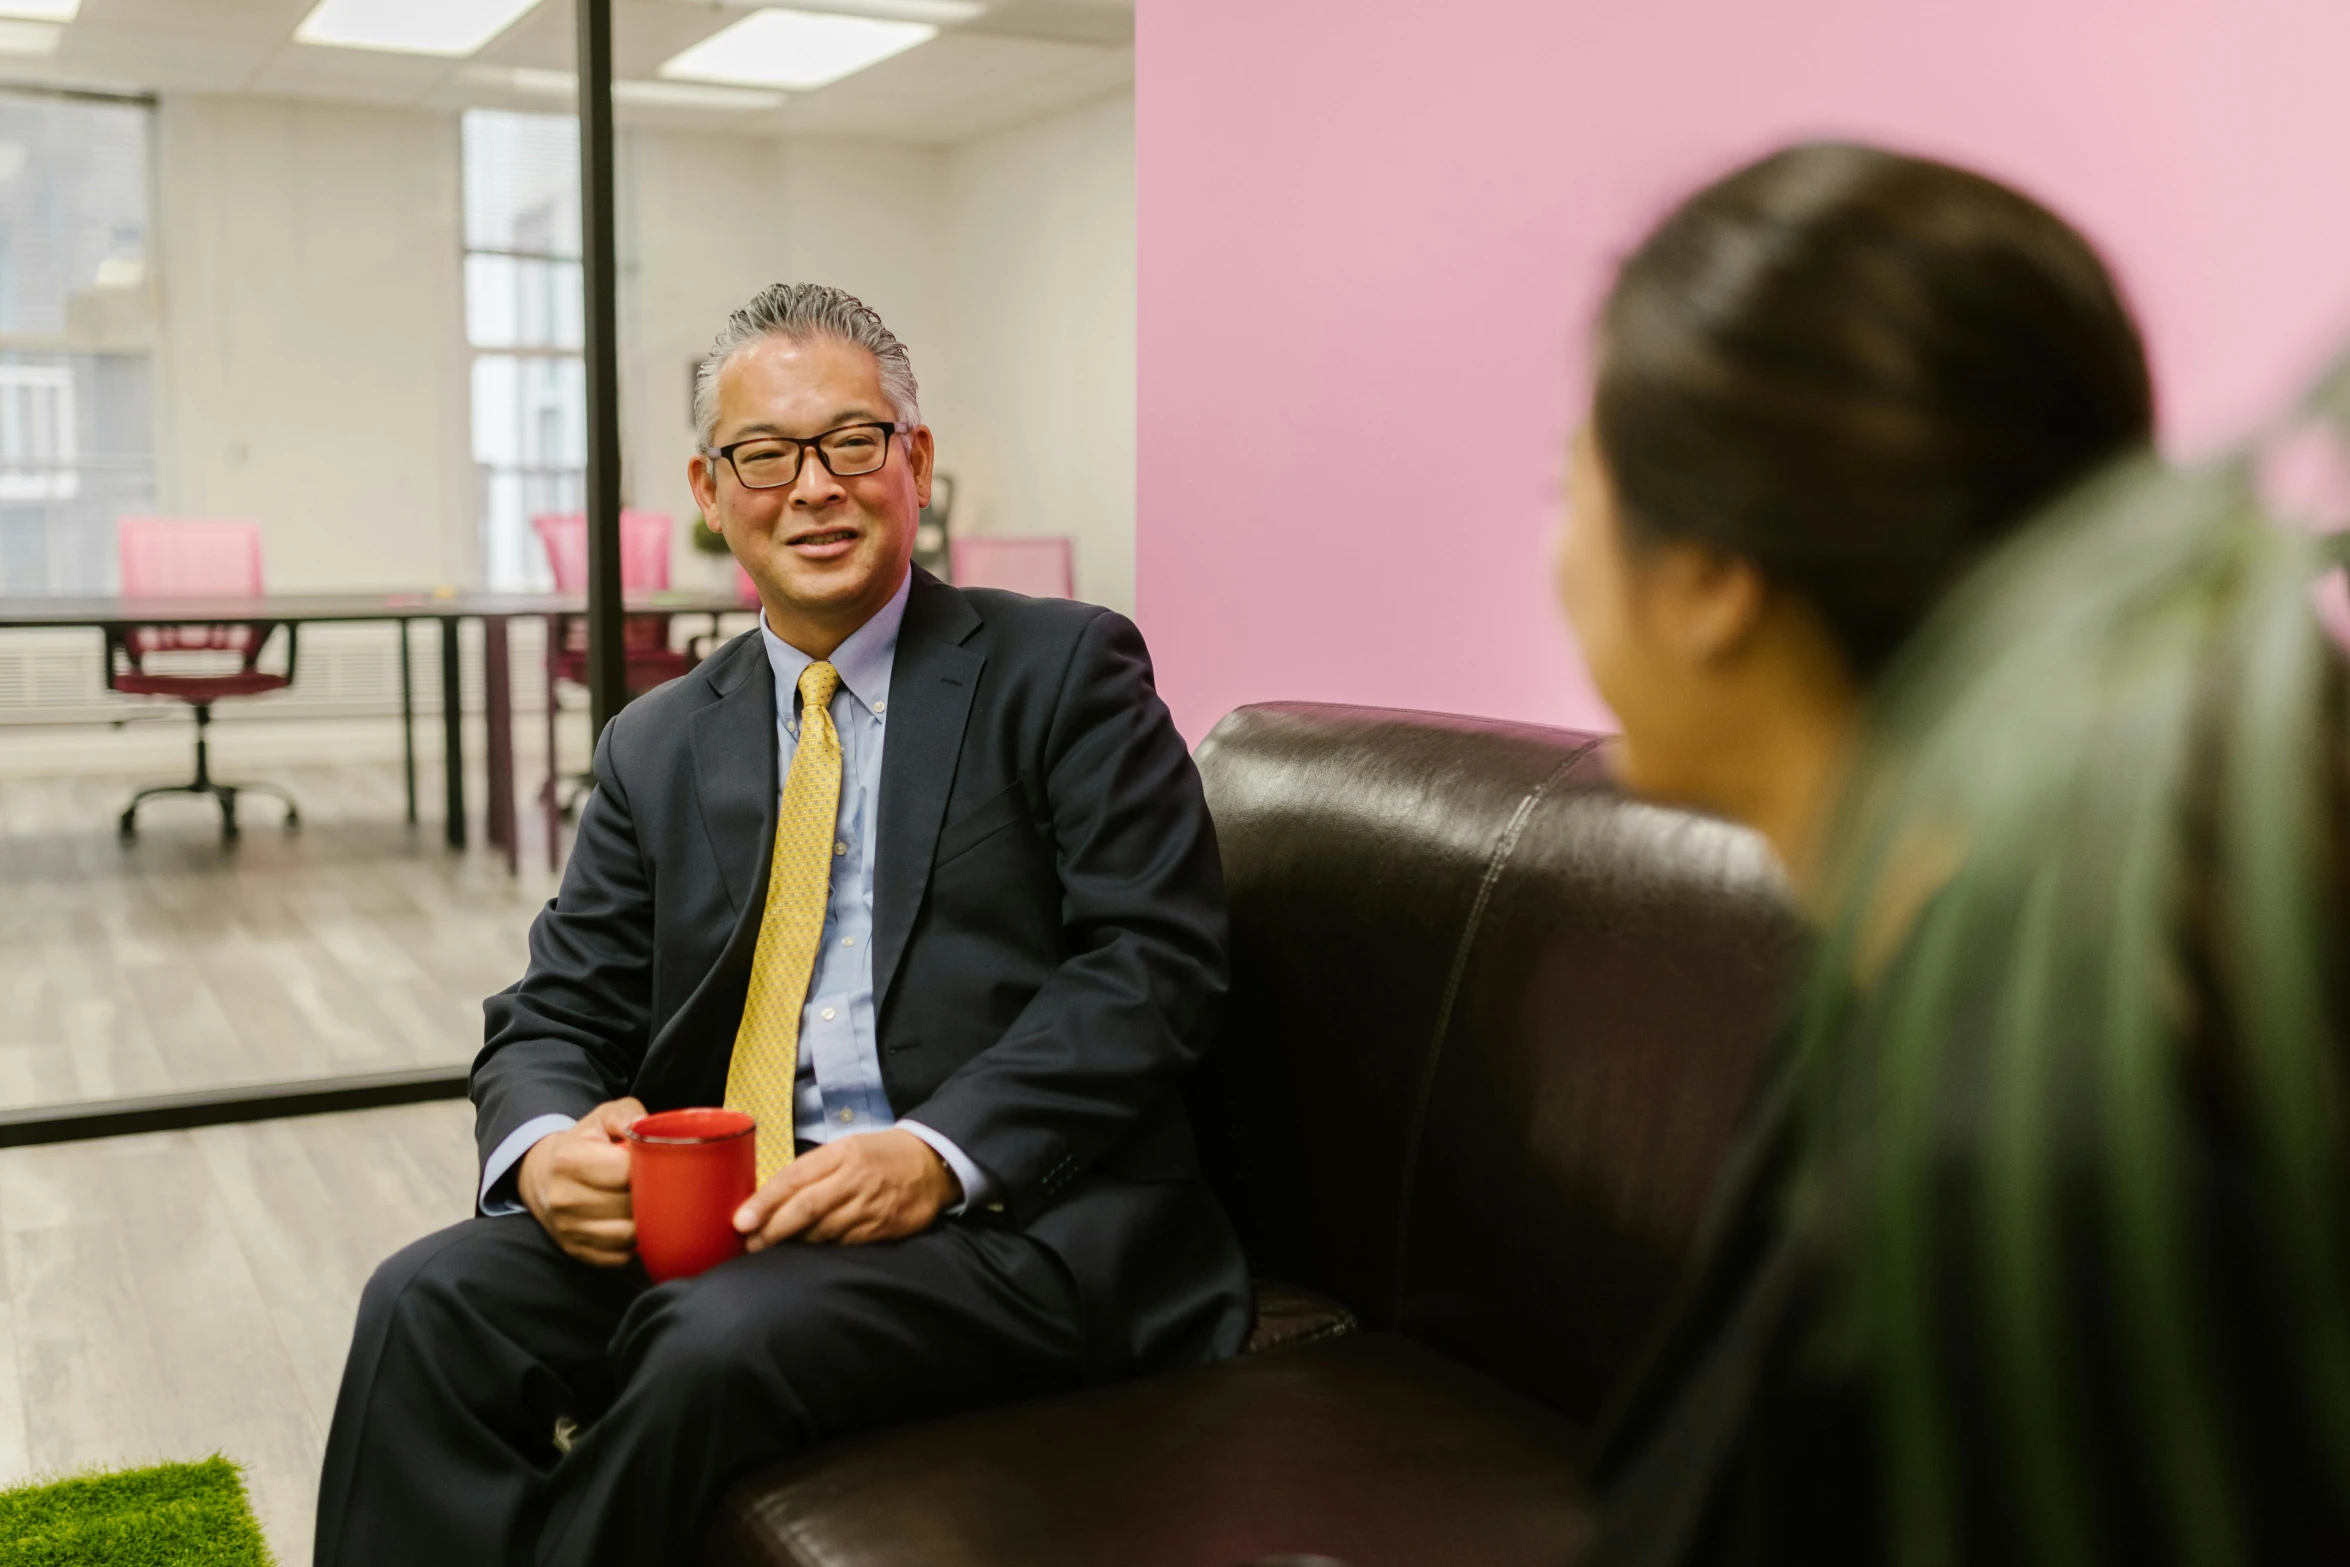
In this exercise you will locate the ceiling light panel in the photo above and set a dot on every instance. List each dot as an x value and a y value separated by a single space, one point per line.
797 50
40 10
444 27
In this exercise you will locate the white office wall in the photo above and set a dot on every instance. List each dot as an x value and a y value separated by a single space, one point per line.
312 363
1006 265
707 221
1038 393
313 319
698 234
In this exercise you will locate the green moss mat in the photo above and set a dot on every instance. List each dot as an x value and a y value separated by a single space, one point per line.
173 1515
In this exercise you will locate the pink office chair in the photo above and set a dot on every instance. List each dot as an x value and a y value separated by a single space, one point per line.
1039 568
644 568
195 557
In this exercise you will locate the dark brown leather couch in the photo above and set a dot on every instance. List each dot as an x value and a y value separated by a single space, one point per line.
1491 1030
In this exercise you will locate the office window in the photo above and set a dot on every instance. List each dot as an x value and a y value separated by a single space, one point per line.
77 333
524 319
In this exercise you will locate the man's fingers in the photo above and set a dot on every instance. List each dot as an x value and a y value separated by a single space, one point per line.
789 1219
589 1189
601 1165
612 1119
600 1231
598 1257
604 1240
804 1208
575 1184
612 1237
833 1222
782 1187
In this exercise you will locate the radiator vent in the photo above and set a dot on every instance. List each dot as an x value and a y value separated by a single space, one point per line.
58 677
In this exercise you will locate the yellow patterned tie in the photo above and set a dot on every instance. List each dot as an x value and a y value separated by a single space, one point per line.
766 1061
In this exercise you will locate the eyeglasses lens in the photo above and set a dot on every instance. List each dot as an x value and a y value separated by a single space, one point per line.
767 465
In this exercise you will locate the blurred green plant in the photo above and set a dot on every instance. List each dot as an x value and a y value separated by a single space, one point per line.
2081 907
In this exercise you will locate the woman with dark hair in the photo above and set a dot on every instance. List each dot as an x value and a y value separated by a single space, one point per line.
2038 1248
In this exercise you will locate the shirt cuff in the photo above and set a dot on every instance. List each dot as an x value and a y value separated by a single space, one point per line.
977 1189
499 1172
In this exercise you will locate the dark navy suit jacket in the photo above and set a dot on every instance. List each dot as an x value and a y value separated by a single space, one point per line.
1048 952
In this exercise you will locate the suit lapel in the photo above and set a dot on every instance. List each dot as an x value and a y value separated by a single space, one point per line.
930 691
734 768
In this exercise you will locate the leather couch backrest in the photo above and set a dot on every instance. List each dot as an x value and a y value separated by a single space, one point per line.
1491 1031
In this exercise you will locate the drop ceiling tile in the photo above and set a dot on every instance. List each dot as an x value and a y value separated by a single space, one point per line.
959 84
263 21
967 82
1073 21
647 34
542 38
158 60
362 75
1002 111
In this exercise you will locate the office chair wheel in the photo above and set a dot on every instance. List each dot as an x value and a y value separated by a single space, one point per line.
127 827
229 832
293 820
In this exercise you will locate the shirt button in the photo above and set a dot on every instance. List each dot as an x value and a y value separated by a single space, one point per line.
828 1014
879 708
840 848
848 1115
848 941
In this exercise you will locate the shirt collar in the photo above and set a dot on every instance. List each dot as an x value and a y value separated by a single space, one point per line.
863 661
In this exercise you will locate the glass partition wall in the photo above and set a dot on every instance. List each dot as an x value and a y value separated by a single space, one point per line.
294 333
524 322
77 335
297 430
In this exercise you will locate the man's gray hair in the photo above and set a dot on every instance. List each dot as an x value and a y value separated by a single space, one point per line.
803 312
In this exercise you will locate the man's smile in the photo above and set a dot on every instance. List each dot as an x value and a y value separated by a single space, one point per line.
829 542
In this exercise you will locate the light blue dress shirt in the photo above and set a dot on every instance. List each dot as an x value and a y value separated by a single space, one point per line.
840 1091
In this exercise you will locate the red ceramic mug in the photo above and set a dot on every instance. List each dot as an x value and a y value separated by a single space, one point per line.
688 1170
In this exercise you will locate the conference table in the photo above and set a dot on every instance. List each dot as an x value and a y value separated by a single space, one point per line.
447 609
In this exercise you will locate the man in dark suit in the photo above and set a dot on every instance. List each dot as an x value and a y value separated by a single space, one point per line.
923 878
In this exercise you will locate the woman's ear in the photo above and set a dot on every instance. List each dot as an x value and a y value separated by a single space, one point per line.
1706 603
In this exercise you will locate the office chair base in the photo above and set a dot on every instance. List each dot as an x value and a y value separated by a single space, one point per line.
126 827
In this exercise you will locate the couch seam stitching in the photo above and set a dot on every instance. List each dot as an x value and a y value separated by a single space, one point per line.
1505 846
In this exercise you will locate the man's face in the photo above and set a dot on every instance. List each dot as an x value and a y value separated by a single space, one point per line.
826 552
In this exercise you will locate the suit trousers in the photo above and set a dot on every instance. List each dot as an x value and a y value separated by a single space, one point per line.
472 1342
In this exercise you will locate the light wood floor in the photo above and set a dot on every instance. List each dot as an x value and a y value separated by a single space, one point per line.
359 945
168 1296
173 1295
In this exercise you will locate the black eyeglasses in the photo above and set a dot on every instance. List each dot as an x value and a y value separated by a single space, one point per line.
769 462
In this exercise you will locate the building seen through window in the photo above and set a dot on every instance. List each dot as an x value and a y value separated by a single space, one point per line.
77 337
523 320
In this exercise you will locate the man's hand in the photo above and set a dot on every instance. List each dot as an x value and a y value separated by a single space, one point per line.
876 1186
575 1184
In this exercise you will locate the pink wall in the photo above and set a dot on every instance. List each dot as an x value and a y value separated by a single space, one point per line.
1364 222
